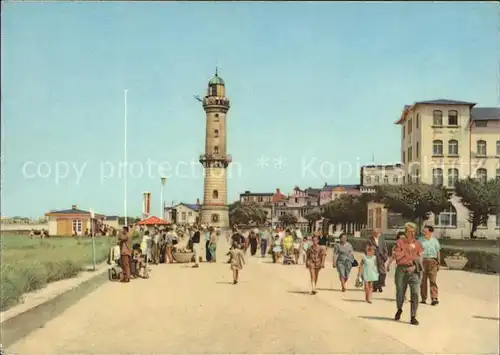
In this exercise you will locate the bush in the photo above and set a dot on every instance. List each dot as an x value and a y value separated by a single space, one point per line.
27 264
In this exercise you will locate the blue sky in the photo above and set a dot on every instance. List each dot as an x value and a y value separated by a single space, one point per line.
312 84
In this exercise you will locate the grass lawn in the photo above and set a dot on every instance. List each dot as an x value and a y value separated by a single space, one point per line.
29 264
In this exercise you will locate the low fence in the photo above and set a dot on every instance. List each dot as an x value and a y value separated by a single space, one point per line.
21 228
481 256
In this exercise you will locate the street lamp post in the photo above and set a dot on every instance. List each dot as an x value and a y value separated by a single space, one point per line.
163 179
92 234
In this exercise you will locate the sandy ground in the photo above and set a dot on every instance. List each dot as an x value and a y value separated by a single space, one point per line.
181 310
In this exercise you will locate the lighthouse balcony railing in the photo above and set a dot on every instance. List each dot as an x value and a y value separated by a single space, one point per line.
215 100
220 157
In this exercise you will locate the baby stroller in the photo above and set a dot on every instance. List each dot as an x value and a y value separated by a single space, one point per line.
288 258
114 270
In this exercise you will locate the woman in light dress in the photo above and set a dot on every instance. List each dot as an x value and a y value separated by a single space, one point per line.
343 258
212 245
303 250
277 249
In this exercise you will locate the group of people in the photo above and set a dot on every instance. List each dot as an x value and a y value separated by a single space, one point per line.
204 238
132 261
417 265
417 261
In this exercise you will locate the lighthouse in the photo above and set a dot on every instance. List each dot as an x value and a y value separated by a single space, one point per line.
215 160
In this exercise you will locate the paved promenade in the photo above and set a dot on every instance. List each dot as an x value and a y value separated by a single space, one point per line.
181 310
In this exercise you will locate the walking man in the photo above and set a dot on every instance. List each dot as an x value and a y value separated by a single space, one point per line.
125 254
407 254
195 241
264 238
431 260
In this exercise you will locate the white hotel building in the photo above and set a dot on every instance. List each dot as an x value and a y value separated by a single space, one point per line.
446 140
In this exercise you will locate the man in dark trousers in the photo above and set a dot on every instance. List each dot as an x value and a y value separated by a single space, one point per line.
195 241
125 254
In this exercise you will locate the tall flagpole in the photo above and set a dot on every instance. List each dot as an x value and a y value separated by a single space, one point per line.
125 163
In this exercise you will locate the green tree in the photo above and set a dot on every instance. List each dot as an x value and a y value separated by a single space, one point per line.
287 220
333 214
130 220
313 216
346 210
415 202
246 213
481 198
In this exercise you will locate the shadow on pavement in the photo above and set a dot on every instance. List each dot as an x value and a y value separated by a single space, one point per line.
353 300
486 318
225 282
385 299
299 292
378 318
338 290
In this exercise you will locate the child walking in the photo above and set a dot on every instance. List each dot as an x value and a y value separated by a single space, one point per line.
237 261
368 272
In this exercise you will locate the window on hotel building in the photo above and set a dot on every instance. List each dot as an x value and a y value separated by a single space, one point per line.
481 123
377 180
190 214
368 180
386 179
498 148
410 124
482 175
452 177
481 147
370 219
437 147
437 177
216 150
404 157
215 194
77 225
395 179
437 118
452 118
183 216
447 218
453 147
378 217
417 150
216 133
417 121
498 175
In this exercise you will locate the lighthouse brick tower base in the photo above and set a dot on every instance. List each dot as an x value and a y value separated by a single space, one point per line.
214 210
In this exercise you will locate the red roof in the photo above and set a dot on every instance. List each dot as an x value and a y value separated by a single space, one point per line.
152 221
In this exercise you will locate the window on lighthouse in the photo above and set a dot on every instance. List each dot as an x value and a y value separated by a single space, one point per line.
216 133
216 150
215 194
